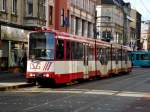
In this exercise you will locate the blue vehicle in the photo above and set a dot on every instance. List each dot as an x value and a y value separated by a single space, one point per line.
140 58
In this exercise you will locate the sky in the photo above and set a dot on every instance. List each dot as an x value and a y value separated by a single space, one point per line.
142 6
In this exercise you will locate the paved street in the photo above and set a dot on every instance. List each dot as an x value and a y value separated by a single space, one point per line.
11 77
9 81
125 93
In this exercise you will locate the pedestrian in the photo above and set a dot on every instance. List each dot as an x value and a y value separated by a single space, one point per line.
24 62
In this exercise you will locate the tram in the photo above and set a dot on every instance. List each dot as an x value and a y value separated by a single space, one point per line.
140 58
59 58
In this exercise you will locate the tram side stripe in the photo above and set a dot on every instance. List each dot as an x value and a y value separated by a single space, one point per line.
49 65
45 66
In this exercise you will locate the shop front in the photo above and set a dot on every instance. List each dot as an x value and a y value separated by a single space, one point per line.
13 46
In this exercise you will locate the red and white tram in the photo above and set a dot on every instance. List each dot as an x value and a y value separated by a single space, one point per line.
61 58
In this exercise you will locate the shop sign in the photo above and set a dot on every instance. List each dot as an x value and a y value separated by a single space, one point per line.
14 34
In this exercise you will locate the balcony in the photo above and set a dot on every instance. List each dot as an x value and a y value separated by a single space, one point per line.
34 22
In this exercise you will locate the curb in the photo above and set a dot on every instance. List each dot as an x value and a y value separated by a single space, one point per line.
14 87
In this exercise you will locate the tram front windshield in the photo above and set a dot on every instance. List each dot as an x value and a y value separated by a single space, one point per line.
41 46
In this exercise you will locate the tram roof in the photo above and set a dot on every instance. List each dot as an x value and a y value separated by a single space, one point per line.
71 37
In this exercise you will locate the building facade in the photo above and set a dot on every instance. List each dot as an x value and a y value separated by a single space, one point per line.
50 13
82 17
113 18
138 30
17 18
133 36
62 15
145 35
75 16
34 13
135 30
110 20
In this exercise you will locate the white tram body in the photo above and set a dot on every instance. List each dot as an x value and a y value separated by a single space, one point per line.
63 58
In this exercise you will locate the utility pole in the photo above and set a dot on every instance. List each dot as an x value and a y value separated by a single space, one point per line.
95 27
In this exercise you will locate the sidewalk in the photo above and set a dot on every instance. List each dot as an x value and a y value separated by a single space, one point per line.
10 81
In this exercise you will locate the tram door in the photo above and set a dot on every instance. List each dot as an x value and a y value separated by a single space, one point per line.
118 62
85 61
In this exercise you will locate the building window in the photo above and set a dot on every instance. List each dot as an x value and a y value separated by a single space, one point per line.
72 25
73 2
30 7
14 6
67 19
41 8
50 15
84 4
3 5
62 17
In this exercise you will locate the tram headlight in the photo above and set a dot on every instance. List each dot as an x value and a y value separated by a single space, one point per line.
32 75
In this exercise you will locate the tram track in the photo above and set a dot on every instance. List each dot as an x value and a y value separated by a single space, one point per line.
117 83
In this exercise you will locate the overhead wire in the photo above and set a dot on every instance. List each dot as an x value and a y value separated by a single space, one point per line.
146 11
142 10
145 6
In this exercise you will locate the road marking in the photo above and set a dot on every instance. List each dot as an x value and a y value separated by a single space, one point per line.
131 94
101 92
91 92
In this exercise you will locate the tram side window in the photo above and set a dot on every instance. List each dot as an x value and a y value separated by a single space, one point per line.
77 50
60 49
123 55
91 53
119 55
74 49
126 56
113 54
99 54
137 56
145 57
68 49
81 55
130 56
102 55
107 54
